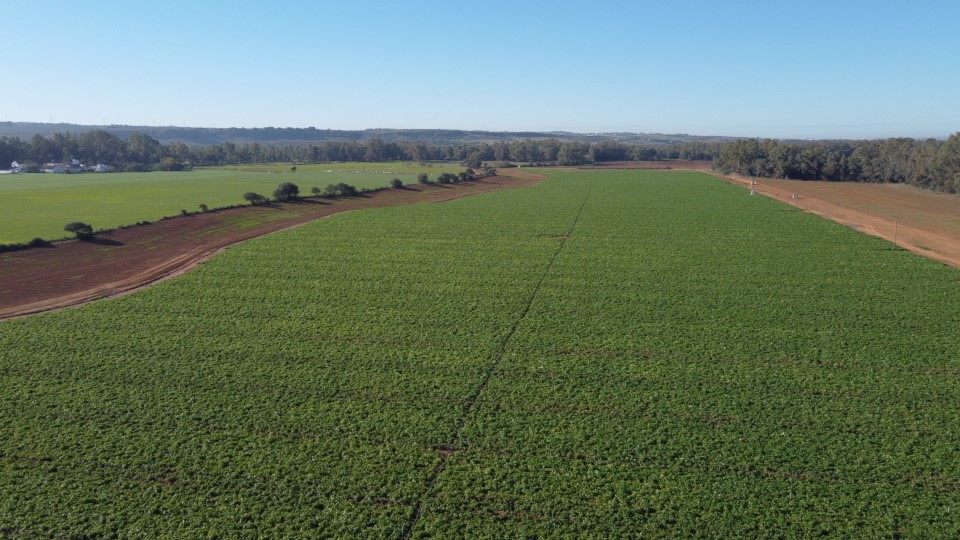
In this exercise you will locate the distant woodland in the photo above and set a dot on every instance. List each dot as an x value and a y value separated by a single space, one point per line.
931 164
140 151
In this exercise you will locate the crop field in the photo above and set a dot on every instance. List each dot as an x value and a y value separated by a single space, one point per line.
39 205
606 354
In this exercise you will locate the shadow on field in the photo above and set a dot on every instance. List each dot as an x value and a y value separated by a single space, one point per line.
100 241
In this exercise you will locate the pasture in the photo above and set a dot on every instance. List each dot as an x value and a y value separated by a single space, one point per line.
606 354
39 205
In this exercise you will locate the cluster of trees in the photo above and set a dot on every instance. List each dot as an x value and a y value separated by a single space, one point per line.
96 146
930 164
464 176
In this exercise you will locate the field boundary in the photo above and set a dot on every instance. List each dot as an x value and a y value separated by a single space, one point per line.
471 402
930 244
124 261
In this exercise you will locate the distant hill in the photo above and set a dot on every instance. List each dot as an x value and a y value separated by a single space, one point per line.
202 136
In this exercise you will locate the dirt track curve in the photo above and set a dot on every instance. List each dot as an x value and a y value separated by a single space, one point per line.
122 261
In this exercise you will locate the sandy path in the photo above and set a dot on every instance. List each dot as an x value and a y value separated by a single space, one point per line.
923 222
122 261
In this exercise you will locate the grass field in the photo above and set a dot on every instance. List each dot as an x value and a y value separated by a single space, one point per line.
39 205
606 354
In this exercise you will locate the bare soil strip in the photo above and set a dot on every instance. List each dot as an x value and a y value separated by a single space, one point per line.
921 221
122 261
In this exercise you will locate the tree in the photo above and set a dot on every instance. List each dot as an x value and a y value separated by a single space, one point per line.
315 190
423 178
293 169
286 191
396 182
255 198
82 230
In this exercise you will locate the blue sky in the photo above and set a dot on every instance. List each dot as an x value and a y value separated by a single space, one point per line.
743 68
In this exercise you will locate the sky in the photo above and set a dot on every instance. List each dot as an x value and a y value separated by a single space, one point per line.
801 69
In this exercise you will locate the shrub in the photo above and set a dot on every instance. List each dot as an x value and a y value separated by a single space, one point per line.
286 191
134 167
396 182
255 198
82 230
341 190
184 212
203 207
423 178
38 242
446 178
316 191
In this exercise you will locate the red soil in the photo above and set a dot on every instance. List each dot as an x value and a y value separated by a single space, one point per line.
120 262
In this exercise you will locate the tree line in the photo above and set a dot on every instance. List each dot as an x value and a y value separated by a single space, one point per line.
930 164
140 151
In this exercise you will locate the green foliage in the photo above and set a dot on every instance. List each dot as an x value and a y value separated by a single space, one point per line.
341 190
446 178
82 230
396 183
255 198
423 178
203 207
603 355
315 191
928 164
286 191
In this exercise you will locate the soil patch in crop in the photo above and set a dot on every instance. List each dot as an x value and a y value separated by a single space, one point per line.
122 261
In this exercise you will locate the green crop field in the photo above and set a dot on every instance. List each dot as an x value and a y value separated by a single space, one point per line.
39 205
604 355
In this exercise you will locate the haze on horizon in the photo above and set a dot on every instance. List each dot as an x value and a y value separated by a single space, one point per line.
805 70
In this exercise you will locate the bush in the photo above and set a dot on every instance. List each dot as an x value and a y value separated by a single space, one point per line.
255 198
82 230
134 167
203 207
316 191
447 178
38 242
286 191
184 212
396 182
341 190
423 178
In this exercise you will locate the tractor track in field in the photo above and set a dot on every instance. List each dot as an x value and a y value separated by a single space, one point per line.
471 401
123 261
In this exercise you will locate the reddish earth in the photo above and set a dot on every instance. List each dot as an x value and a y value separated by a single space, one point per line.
921 221
119 262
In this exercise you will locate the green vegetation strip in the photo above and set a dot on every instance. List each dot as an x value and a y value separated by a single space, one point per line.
39 205
694 362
